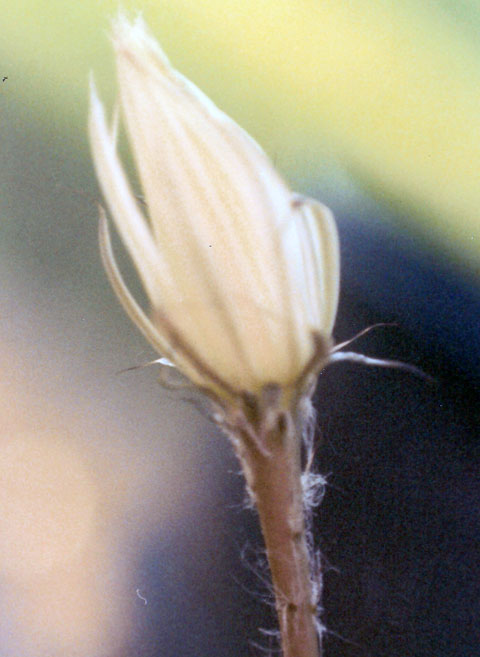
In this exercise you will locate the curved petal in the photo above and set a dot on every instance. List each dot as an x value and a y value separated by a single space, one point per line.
180 354
326 256
129 221
129 304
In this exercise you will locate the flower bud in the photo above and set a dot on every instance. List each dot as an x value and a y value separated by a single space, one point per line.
239 272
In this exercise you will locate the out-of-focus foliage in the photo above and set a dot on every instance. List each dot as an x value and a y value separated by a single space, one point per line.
382 92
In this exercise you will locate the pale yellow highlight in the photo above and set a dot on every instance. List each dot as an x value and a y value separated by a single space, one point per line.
47 502
84 610
392 86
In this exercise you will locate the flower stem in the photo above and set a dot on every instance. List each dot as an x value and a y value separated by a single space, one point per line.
274 479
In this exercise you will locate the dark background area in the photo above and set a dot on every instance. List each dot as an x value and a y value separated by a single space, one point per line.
399 526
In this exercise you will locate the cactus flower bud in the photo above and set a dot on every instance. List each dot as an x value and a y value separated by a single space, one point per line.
240 273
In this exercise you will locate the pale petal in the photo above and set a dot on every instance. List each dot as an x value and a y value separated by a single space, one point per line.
135 233
323 241
163 337
301 283
132 309
232 266
216 206
311 240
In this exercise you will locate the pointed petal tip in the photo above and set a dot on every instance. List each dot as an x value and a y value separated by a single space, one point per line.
133 38
91 85
96 115
97 112
96 106
122 26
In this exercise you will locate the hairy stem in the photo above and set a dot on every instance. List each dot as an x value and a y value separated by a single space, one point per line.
274 479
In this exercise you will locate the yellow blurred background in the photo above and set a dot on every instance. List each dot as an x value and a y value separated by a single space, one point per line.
379 93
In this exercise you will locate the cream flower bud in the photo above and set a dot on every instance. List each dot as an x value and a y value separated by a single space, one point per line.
240 273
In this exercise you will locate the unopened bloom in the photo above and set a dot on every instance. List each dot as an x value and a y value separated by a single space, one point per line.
240 273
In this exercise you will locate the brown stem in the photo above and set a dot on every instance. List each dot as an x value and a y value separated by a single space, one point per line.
274 479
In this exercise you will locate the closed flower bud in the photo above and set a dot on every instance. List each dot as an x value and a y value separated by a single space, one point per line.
241 275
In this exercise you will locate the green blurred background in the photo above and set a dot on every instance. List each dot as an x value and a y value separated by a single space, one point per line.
371 106
377 94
